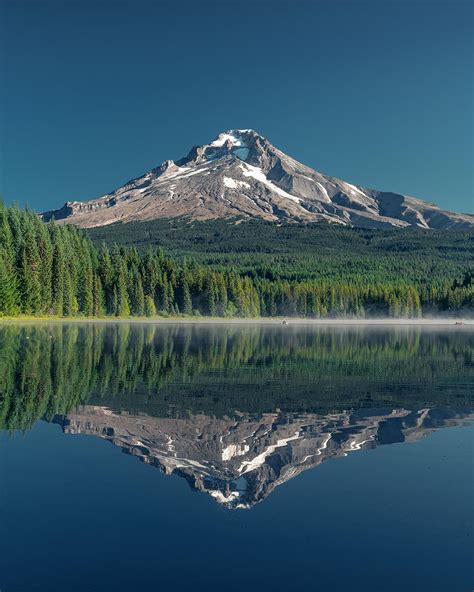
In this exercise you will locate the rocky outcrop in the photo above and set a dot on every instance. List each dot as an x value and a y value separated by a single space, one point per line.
242 174
239 462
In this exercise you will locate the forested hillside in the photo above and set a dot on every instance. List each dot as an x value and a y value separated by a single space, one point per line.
223 269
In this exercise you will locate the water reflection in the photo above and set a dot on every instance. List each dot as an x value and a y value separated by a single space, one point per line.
236 410
240 461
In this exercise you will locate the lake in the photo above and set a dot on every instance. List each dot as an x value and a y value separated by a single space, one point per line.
236 457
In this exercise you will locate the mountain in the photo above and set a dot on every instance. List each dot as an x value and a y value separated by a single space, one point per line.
241 174
239 462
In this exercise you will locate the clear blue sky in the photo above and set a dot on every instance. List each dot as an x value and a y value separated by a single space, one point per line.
378 92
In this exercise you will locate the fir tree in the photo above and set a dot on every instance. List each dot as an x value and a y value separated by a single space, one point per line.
29 277
150 309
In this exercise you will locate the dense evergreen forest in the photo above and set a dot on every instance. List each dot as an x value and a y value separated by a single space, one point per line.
175 370
227 269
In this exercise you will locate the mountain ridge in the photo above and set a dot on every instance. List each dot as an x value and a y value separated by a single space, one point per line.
241 174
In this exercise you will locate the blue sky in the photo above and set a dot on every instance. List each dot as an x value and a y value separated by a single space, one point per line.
94 93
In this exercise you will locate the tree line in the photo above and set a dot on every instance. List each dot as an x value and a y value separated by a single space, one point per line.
51 269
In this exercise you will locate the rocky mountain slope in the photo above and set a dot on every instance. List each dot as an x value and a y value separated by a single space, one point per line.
239 462
242 174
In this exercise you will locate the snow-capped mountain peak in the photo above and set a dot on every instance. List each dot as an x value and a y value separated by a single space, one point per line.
241 174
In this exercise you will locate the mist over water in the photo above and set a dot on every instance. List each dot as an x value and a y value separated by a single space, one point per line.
175 369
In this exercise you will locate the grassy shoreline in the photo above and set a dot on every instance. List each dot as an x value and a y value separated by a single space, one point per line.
182 319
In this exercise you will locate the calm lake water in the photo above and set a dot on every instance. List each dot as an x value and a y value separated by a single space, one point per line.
236 457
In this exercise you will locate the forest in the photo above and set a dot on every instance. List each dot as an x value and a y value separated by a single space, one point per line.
230 269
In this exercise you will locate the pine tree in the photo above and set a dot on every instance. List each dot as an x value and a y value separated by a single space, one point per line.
9 297
8 291
138 302
98 297
29 280
183 294
86 283
150 309
45 252
106 274
58 277
122 306
69 299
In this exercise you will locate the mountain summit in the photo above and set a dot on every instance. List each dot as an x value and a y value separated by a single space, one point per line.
240 173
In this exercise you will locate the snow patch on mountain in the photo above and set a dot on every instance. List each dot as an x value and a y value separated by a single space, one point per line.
233 450
259 460
224 499
324 191
355 445
233 184
354 190
227 137
257 173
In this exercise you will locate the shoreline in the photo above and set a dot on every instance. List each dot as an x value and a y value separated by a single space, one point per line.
276 321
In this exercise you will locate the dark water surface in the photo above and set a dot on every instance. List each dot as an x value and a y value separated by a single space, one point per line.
250 457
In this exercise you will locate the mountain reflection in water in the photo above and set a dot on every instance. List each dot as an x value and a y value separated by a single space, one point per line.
239 462
236 409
